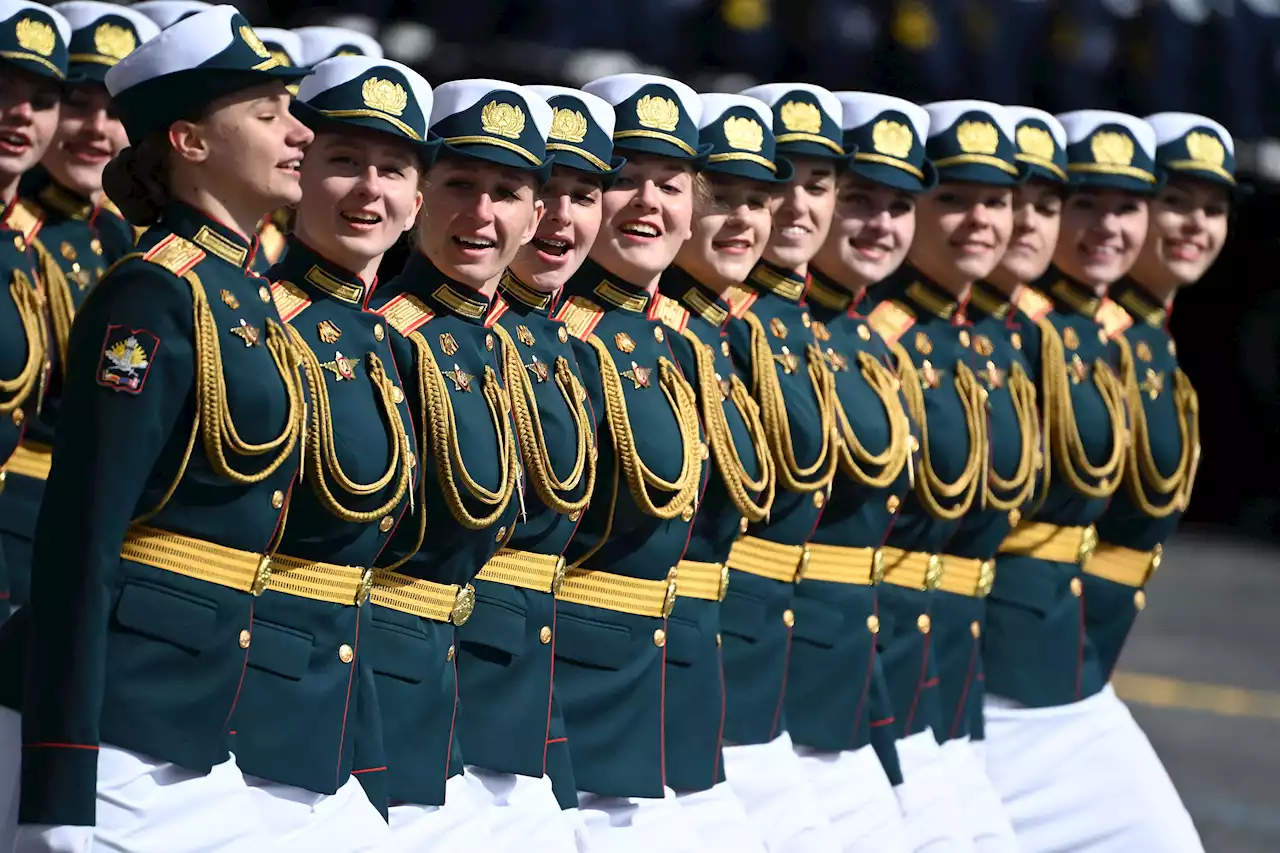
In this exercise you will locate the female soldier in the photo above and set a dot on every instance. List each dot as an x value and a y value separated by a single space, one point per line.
931 605
733 213
359 196
286 47
182 418
873 228
480 206
612 609
1047 686
81 232
506 651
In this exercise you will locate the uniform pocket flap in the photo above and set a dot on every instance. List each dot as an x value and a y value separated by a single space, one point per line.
276 648
684 641
817 623
593 642
168 615
496 624
401 651
743 616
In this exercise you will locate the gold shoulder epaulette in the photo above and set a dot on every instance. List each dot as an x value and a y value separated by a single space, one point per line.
670 312
580 316
406 313
24 216
290 299
1112 318
1032 302
891 320
175 254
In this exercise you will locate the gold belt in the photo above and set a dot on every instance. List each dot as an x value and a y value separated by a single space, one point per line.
246 571
31 459
620 593
967 576
439 602
1051 542
708 581
838 564
1124 565
767 559
525 569
914 569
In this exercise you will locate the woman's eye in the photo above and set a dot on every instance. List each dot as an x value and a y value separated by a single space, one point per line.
584 199
671 189
458 184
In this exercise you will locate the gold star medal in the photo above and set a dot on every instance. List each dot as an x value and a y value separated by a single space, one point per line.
249 334
461 379
839 361
341 366
1153 384
638 375
539 369
1079 370
930 376
789 361
448 344
328 331
993 376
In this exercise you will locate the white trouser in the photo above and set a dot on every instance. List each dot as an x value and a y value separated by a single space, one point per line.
770 781
928 797
980 805
721 820
638 824
522 812
858 799
462 823
301 821
1083 777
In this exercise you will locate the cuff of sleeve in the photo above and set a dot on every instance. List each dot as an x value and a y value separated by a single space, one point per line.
59 785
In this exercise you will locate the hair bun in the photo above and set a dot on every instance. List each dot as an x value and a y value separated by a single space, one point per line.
135 181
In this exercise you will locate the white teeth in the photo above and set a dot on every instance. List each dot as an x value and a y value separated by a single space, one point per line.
794 231
641 229
475 242
13 139
362 217
555 244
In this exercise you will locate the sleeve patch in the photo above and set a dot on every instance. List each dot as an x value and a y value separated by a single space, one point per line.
127 356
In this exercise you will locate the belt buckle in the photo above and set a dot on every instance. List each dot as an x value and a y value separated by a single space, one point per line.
1088 543
877 566
463 606
557 577
669 600
724 580
366 588
262 576
933 573
986 578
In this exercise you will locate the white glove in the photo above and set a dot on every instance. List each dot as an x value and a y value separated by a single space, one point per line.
38 838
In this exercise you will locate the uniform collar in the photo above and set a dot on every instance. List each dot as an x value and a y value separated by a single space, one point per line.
830 295
444 295
695 297
1068 295
788 285
319 277
607 290
40 186
985 299
1140 304
523 297
926 297
217 240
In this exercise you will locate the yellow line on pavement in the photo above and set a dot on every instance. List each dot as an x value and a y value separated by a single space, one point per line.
1161 692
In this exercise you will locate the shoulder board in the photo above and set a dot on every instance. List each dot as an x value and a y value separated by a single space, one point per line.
290 299
175 254
580 316
1033 303
271 241
1112 318
670 312
25 217
497 308
890 320
740 299
406 313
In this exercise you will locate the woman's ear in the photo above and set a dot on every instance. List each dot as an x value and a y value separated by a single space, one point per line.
539 210
413 217
188 142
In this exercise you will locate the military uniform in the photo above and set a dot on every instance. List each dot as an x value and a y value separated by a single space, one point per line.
287 49
1046 685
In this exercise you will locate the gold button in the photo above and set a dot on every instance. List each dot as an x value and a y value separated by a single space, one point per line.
659 638
892 503
805 320
1014 517
386 523
718 640
264 293
964 338
277 499
563 335
575 515
658 334
1139 601
819 499
19 416
742 526
346 654
873 624
724 347
1077 587
975 629
788 617
502 531
544 635
914 444
1102 337
702 450
244 639
19 243
686 514
864 333
488 342
449 654
924 623
397 396
378 334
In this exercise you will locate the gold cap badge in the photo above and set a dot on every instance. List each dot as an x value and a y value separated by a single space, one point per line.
892 138
1113 149
283 58
1035 141
384 96
502 120
36 36
801 117
744 133
114 41
255 43
568 125
658 113
1204 148
977 137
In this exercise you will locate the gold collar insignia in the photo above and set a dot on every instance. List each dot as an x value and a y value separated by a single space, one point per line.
619 298
988 302
220 247
699 303
335 287
523 293
465 306
776 282
1141 306
1081 301
827 296
921 295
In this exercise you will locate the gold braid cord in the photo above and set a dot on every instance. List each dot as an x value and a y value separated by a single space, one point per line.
855 459
639 476
1014 492
30 306
61 306
791 475
1141 470
533 441
1062 432
318 445
740 486
441 430
931 489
